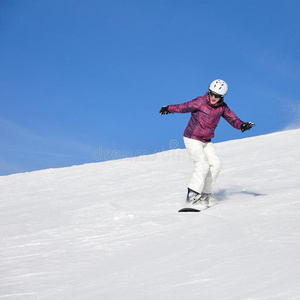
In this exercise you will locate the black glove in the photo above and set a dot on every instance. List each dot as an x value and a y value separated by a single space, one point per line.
164 110
247 126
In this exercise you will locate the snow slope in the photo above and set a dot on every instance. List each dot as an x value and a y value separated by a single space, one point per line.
111 230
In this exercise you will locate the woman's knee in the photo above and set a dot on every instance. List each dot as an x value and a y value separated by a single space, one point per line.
202 166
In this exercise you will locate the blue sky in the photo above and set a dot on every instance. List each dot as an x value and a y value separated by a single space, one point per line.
83 80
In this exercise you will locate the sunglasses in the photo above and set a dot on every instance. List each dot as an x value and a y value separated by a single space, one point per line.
215 95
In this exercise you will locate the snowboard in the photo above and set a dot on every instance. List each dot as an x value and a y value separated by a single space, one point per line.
189 209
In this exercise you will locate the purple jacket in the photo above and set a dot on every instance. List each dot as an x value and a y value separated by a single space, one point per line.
205 117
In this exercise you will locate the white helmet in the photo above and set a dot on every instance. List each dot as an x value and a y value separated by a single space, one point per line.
219 87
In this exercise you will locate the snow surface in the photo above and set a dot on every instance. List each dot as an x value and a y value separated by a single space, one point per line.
111 230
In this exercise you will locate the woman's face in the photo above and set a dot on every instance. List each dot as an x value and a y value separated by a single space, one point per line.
213 98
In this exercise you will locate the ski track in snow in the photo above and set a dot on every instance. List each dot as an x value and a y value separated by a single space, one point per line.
111 230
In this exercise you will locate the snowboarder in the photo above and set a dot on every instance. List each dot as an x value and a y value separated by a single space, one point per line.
206 112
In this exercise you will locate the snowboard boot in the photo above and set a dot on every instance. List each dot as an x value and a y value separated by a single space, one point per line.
208 198
191 196
195 200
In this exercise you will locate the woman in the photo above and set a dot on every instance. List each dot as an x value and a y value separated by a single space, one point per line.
206 112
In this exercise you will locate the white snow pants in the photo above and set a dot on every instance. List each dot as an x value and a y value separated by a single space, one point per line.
207 165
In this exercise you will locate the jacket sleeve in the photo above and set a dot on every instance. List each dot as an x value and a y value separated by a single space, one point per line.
231 118
186 107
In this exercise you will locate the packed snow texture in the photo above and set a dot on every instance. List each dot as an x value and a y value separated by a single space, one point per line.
111 230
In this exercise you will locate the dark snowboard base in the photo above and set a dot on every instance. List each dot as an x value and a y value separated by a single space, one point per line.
189 209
